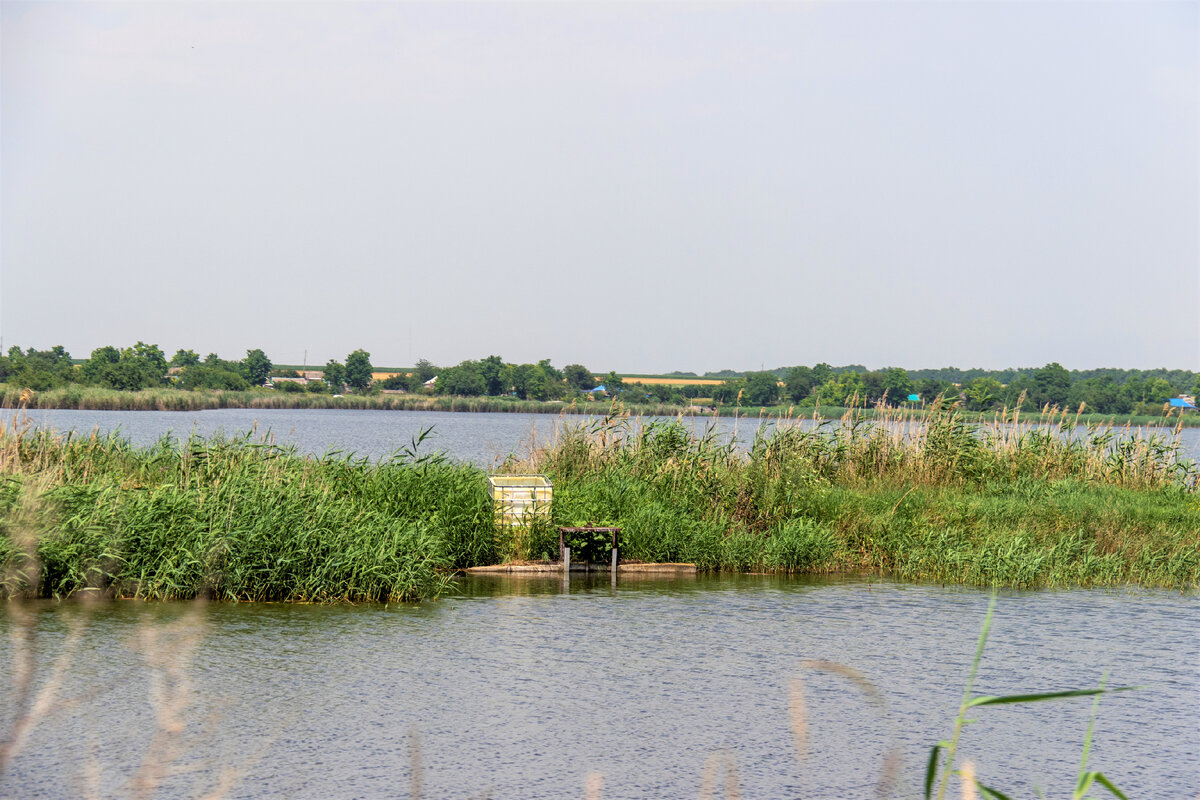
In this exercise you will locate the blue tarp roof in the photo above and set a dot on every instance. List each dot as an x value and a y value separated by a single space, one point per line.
600 388
916 398
1179 402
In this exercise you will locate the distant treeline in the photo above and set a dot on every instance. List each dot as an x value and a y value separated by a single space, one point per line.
1105 391
145 366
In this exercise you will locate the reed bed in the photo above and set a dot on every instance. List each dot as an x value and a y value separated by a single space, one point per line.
232 519
98 399
929 498
92 398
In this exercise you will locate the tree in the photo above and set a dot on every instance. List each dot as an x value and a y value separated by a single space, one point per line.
123 376
358 370
613 383
334 375
94 369
821 373
1157 390
205 376
464 380
133 368
425 370
184 358
762 388
491 369
799 383
150 358
1051 385
528 381
38 369
842 389
931 389
399 381
216 362
256 367
983 394
727 392
579 377
553 386
897 386
1100 394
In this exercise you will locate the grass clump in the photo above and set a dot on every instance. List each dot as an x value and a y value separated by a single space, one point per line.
236 519
936 498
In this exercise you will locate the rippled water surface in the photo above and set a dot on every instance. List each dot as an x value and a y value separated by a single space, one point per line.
521 688
483 439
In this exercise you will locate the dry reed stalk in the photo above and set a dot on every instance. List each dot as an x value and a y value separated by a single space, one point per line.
799 717
414 752
708 781
34 708
890 766
968 781
167 651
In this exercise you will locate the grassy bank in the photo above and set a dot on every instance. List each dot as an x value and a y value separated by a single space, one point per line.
97 399
246 520
1046 416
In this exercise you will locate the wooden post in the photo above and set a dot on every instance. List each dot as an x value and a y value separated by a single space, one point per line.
566 561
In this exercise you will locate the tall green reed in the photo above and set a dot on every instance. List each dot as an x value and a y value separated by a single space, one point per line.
242 519
931 498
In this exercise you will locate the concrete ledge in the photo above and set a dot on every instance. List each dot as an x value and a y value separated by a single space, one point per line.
524 569
657 569
556 569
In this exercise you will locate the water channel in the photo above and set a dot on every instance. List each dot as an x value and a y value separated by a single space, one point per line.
481 438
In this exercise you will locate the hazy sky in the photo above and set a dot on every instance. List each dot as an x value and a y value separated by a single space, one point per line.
632 186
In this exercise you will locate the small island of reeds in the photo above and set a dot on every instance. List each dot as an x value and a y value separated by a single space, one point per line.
934 498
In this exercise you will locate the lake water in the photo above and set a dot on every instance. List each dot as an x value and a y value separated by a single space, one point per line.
522 688
484 439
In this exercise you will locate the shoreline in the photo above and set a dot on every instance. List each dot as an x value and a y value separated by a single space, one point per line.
91 399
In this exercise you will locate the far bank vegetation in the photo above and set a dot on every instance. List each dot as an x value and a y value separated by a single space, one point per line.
141 377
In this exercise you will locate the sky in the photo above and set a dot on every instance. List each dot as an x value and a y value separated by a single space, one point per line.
639 187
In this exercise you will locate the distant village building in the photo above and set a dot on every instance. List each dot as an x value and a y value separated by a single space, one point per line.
305 377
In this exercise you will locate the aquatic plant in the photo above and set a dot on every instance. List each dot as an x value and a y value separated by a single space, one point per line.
235 519
936 498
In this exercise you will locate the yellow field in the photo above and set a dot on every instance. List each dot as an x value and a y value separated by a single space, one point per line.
380 376
670 381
